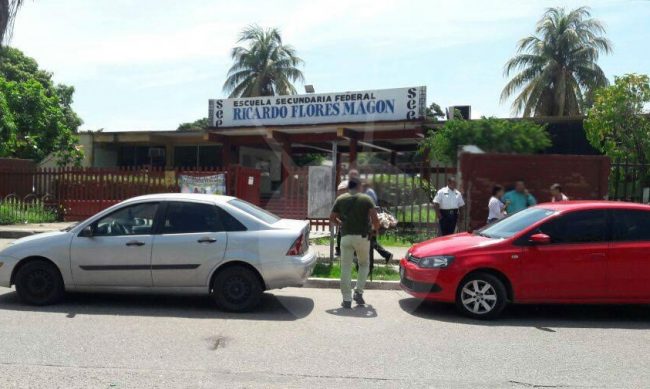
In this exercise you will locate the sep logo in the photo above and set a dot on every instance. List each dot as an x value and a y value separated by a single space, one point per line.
218 113
411 103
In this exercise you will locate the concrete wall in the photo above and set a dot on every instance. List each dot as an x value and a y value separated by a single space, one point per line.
104 156
582 177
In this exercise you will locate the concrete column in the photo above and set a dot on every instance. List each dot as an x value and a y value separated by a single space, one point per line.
286 161
425 169
226 153
169 156
353 153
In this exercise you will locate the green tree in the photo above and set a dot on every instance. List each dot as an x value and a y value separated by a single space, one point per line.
434 112
618 124
556 68
196 125
266 67
36 117
8 11
489 134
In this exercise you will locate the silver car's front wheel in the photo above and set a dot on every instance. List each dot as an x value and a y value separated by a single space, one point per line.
481 296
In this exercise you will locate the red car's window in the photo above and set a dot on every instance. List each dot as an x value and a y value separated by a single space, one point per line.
629 225
577 227
515 223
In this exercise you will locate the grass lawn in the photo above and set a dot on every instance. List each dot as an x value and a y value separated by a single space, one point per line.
389 239
416 214
323 241
325 270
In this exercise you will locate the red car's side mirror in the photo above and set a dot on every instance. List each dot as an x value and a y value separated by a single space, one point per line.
540 239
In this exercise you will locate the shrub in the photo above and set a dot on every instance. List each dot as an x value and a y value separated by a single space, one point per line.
20 212
490 134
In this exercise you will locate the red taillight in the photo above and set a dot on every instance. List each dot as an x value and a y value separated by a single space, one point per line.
297 248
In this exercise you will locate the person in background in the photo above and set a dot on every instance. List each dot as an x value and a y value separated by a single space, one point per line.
374 244
519 198
342 189
556 193
447 203
496 208
355 213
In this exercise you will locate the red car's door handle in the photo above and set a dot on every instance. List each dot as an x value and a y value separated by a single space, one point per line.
597 256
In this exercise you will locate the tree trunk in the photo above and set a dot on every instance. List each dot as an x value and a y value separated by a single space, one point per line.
4 19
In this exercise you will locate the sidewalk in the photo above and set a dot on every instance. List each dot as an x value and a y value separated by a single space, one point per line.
323 251
15 231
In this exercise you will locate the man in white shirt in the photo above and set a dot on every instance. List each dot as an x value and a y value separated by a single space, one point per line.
447 204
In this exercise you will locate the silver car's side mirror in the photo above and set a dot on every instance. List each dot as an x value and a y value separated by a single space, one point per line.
87 232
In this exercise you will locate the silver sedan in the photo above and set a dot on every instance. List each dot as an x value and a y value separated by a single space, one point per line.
167 243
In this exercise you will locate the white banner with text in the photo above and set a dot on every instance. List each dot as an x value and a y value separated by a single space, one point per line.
364 106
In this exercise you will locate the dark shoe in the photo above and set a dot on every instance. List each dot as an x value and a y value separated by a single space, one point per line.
390 258
346 304
337 253
358 298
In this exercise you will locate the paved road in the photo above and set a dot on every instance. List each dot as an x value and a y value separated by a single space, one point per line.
299 338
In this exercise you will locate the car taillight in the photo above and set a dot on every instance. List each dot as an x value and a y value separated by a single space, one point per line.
298 246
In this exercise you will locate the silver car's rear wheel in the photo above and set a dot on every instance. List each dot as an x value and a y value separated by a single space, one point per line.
237 288
481 296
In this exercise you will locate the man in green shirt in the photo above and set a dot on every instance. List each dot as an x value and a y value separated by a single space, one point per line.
354 212
518 199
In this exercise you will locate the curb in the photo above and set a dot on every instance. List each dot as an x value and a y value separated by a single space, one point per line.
330 283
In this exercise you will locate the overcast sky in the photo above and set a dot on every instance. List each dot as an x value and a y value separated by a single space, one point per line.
151 64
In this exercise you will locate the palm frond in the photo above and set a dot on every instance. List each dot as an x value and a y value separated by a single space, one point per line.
264 66
8 11
556 67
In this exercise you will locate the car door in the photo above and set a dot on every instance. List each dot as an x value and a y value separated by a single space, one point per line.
191 242
629 259
119 251
573 265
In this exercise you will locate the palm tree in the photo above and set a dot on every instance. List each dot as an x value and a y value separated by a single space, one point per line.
266 67
8 11
557 70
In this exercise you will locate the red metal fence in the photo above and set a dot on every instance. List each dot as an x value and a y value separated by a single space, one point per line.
81 192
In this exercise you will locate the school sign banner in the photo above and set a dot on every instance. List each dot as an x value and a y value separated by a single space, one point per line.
364 106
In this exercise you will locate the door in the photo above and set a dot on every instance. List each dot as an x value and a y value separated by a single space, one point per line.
573 266
629 259
192 241
119 251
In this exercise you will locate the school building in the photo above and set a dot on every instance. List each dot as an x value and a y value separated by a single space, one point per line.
267 133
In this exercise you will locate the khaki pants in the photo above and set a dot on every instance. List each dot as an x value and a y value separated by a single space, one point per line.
350 244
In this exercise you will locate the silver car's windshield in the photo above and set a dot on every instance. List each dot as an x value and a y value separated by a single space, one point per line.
514 223
254 210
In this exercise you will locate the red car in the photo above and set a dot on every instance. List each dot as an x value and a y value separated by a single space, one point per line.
567 252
